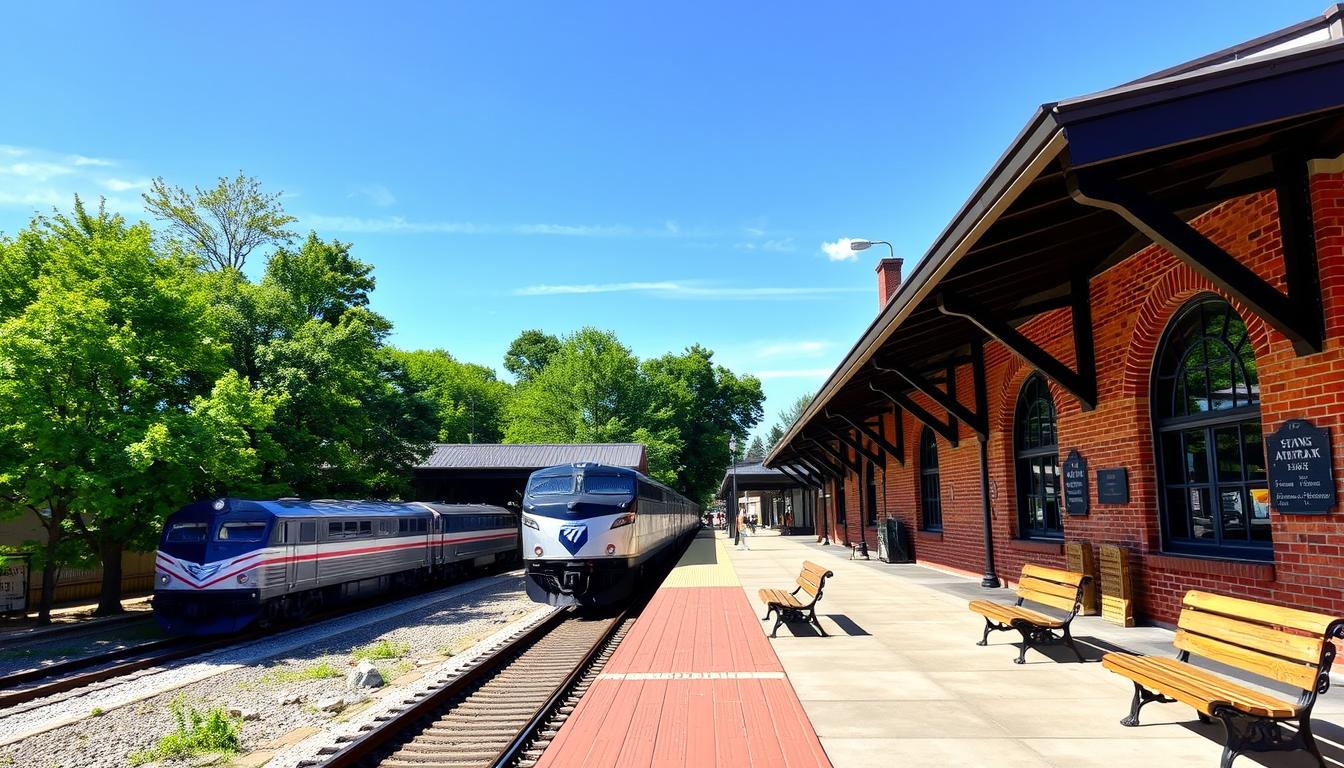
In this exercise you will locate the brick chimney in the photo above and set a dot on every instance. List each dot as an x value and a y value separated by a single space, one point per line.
888 280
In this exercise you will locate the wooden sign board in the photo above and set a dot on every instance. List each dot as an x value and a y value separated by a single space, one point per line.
1078 558
1117 586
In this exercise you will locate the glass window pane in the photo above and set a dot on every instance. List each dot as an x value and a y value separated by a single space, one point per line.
1178 519
1201 515
1220 379
1196 456
1196 390
1253 451
1232 508
1259 498
1227 454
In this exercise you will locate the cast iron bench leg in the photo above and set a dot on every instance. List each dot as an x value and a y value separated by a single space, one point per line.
989 627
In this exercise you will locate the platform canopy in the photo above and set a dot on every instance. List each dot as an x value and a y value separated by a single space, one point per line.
495 473
1088 182
755 476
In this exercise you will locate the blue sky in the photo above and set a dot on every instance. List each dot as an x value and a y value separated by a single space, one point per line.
669 173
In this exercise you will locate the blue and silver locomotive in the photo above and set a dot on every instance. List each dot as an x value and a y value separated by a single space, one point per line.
225 563
590 531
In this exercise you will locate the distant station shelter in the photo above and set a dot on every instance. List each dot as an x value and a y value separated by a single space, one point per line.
1131 335
778 498
494 473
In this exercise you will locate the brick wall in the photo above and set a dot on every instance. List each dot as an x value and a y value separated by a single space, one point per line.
1132 304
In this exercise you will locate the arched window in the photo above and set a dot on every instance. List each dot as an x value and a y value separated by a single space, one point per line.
930 497
1210 454
1036 455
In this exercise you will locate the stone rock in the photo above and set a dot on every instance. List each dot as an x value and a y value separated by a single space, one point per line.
351 699
364 675
244 714
332 704
289 697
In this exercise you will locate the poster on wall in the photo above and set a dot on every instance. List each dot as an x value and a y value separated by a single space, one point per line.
1301 471
1075 483
14 585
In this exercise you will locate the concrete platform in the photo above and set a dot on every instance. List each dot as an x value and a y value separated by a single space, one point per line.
900 681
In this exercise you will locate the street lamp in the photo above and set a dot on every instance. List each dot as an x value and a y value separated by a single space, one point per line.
863 245
732 509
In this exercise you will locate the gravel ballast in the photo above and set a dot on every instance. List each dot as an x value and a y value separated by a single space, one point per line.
403 639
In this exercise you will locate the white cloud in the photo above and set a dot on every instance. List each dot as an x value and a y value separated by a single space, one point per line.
35 179
840 250
777 245
794 373
122 185
792 348
672 289
573 230
375 194
81 160
389 224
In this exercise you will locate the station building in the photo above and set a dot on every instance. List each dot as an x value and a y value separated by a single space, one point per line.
1132 333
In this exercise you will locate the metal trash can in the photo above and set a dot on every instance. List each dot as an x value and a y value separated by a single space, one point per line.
893 543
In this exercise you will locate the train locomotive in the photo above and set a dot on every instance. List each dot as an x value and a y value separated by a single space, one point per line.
223 564
591 531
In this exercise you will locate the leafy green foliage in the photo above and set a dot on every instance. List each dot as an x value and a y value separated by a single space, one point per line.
468 399
224 224
529 353
196 733
383 649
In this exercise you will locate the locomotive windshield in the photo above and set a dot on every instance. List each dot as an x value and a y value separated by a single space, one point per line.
554 485
608 484
186 532
241 532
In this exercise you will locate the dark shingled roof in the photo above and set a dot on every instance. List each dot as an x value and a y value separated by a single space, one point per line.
531 455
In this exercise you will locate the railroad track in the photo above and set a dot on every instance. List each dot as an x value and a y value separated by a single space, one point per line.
503 710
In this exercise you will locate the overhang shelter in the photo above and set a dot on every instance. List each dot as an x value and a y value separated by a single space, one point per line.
490 473
1139 304
784 497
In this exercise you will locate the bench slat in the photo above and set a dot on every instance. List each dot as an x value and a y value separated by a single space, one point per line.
1005 614
1263 613
1066 591
1301 675
1194 686
1256 637
1054 601
1052 574
810 587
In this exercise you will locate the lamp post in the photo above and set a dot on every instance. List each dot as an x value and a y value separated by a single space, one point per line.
863 245
732 510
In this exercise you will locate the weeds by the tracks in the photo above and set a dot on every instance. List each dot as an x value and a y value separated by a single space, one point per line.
383 649
320 671
196 733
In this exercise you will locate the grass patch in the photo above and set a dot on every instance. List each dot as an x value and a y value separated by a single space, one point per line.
96 712
394 670
197 733
383 649
319 671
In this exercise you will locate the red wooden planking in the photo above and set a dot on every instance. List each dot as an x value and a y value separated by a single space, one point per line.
730 726
675 732
649 720
702 746
762 739
571 744
612 732
797 738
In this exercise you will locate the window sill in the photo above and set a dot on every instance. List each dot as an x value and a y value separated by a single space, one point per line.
929 535
1211 566
1043 546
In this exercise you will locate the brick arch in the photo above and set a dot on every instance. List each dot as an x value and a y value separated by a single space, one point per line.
1168 295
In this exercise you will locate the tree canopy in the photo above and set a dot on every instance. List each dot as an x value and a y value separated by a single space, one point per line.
222 225
529 353
468 400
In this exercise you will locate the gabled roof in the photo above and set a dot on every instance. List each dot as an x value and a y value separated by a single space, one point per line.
1189 136
531 456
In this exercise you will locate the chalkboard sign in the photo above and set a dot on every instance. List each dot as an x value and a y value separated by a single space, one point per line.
1113 486
1301 480
1075 484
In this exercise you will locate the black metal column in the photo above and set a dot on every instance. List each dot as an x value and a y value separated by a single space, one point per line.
991 579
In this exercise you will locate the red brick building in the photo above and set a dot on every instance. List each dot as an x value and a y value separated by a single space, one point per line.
1151 277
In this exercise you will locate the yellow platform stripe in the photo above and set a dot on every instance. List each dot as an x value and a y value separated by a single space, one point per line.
705 564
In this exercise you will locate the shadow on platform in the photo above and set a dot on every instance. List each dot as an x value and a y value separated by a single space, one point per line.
847 627
701 552
1328 739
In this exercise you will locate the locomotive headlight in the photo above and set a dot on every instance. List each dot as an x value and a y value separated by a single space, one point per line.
242 578
530 523
611 549
624 520
163 579
537 550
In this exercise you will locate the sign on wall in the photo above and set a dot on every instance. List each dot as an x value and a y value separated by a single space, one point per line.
14 585
1301 472
1075 483
1113 486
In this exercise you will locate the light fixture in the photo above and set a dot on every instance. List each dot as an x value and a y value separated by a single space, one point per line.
863 245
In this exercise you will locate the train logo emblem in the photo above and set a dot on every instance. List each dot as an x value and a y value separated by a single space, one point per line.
202 571
574 537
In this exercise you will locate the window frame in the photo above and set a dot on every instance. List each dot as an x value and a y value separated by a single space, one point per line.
930 483
1029 463
1181 476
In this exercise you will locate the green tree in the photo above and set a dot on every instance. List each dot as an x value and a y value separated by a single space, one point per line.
103 374
529 353
223 225
592 391
322 277
773 437
468 399
704 405
756 451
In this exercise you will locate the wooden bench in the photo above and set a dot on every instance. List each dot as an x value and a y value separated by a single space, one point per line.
1287 645
786 605
1047 586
